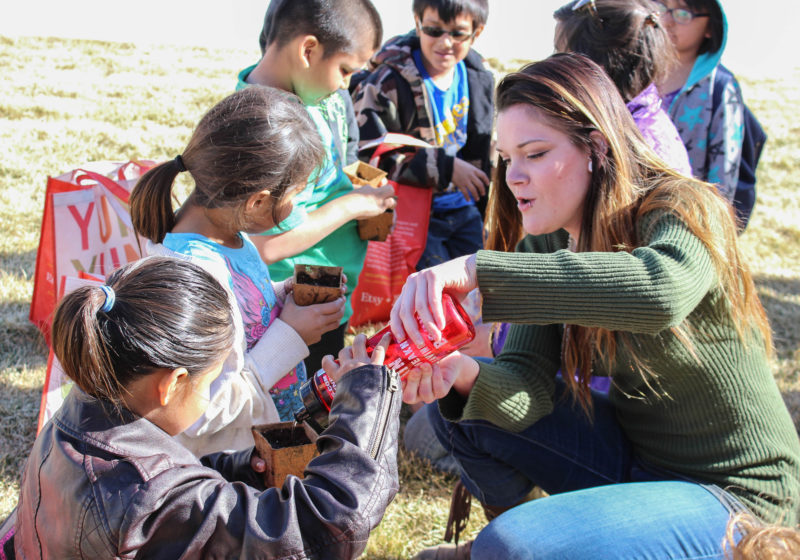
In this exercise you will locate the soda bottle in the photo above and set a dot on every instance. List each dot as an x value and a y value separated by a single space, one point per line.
318 392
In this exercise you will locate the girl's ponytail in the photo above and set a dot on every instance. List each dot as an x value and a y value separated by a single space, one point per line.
154 313
258 139
151 201
79 344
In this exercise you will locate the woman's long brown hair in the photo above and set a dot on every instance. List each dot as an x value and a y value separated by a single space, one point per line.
629 181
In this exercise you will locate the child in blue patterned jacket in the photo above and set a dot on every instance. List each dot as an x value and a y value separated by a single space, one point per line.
711 132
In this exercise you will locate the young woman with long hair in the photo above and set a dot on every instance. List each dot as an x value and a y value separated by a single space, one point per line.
622 268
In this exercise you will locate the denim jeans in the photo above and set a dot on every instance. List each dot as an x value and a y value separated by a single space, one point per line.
451 234
604 502
418 437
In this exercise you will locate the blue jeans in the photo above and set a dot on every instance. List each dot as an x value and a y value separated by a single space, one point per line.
604 502
451 234
419 438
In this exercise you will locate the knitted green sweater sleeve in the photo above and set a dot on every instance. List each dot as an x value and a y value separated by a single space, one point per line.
712 412
650 289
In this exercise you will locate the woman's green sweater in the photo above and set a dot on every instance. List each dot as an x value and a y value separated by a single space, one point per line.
713 414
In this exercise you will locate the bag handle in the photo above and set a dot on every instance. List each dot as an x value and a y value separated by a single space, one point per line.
139 165
393 141
109 184
117 191
381 150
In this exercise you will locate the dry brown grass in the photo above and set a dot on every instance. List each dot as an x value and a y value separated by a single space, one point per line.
66 102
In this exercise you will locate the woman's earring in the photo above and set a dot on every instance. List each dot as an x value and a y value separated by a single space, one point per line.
590 165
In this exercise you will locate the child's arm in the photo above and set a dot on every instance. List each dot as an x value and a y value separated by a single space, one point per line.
241 393
327 514
238 466
363 202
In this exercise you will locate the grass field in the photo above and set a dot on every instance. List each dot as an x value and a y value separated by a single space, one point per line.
66 102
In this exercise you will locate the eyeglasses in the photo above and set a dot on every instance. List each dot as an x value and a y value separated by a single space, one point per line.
458 35
679 15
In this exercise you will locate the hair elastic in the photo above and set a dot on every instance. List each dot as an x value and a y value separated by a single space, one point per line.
179 161
111 297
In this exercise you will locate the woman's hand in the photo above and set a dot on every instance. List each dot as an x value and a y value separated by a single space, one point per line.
431 382
422 293
351 357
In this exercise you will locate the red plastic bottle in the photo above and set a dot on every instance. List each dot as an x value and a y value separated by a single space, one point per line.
318 392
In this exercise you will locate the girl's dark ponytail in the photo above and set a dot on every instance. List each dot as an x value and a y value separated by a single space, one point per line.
162 313
151 201
79 345
258 139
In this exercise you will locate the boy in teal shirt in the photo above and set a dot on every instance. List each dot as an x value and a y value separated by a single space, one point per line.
312 49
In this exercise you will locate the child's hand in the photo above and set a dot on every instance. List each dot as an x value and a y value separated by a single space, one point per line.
258 464
351 357
471 181
283 288
312 321
369 201
428 383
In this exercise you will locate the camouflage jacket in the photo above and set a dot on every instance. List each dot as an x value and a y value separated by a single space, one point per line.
391 97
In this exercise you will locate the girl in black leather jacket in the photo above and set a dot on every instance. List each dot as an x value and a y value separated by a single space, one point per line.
105 478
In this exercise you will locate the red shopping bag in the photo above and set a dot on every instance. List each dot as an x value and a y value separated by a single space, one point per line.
86 229
388 263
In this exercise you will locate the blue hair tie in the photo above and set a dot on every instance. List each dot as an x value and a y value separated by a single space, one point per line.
110 298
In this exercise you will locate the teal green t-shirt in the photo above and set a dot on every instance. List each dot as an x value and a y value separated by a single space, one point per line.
343 247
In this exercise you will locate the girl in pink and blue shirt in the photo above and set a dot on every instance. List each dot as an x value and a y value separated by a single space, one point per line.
249 157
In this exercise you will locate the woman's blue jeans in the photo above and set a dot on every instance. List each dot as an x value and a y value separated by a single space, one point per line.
603 503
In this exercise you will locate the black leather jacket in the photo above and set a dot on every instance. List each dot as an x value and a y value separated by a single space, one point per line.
100 486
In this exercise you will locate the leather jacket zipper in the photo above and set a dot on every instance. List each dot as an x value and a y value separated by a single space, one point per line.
385 409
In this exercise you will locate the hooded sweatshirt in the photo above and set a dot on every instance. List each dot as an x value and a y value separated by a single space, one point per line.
712 135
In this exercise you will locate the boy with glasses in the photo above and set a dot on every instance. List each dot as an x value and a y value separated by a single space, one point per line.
430 84
709 122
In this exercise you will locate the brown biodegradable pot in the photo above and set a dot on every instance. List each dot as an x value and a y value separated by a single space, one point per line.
287 447
316 284
376 228
361 173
